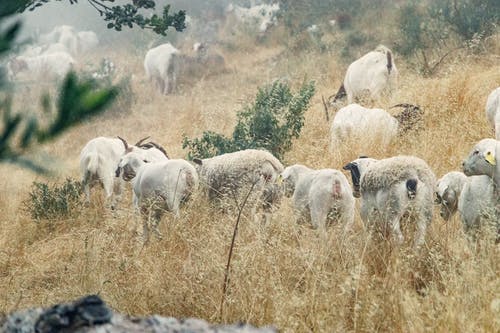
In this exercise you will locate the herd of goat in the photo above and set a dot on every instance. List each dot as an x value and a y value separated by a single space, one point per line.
392 190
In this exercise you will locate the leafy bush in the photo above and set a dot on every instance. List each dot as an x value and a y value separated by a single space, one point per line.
56 201
469 17
271 122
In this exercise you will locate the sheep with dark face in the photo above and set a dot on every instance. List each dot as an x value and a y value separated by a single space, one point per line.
392 190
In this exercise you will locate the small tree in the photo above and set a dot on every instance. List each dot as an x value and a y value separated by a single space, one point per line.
271 122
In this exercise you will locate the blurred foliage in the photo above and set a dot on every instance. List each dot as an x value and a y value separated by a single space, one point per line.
56 201
126 15
426 29
297 15
468 18
271 122
78 99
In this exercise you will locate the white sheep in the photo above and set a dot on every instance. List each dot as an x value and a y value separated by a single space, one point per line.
393 190
322 197
472 197
493 111
355 123
55 64
483 160
477 202
161 66
227 178
370 76
449 187
290 176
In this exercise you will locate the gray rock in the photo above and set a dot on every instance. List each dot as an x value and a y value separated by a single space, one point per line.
91 315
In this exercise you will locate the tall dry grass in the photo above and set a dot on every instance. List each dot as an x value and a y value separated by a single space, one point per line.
283 274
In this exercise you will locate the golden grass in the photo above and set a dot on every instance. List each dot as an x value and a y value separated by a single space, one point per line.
283 274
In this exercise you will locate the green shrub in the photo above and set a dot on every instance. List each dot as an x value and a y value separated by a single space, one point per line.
271 122
469 18
56 201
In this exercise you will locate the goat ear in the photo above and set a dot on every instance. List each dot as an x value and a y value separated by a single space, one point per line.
197 161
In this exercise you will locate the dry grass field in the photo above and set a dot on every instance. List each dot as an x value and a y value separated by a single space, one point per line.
282 274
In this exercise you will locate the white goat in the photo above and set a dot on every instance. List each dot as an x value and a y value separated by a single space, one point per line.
369 127
324 196
493 111
99 160
262 15
52 64
392 190
158 186
370 76
161 66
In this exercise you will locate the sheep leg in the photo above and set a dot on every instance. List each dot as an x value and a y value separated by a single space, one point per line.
318 215
396 229
424 218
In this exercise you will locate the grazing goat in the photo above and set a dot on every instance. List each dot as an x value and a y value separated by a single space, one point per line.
161 185
161 66
370 76
99 160
263 15
371 127
45 65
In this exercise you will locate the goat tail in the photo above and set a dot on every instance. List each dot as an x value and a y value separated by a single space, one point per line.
389 61
411 188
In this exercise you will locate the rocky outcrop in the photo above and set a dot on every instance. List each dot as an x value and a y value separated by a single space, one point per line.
91 315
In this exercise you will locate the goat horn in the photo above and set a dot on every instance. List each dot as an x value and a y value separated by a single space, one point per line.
138 144
124 142
326 108
160 148
405 105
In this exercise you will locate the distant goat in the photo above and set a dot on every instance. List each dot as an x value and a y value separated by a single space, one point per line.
370 76
161 66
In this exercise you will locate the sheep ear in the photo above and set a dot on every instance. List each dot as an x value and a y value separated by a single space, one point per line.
197 161
490 158
348 166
